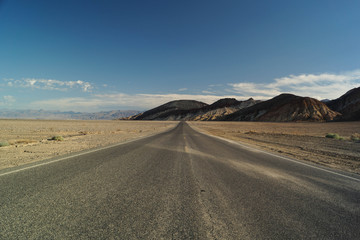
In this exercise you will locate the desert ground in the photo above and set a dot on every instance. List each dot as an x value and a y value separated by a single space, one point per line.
26 141
302 141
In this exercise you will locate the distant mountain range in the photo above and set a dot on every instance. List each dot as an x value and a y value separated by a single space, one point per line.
194 110
285 108
43 114
282 108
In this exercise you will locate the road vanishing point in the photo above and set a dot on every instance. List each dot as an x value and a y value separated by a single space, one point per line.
179 184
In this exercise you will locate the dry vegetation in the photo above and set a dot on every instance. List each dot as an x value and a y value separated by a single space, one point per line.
303 141
25 141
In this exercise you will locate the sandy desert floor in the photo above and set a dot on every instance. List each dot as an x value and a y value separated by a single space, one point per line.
29 139
303 141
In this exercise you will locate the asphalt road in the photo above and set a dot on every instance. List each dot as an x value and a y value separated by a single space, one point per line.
180 184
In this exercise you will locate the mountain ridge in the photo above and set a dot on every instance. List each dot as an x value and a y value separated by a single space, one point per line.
285 108
161 112
282 108
198 111
66 115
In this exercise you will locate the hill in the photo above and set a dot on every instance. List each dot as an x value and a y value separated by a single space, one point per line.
196 111
285 108
348 105
220 109
168 110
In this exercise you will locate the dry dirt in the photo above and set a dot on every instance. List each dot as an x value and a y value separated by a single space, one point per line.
29 139
303 141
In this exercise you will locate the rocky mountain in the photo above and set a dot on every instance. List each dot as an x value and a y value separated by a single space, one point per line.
285 108
196 111
348 105
219 109
282 108
43 114
168 110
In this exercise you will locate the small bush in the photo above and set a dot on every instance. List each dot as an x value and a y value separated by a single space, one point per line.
355 137
57 138
3 144
332 135
250 132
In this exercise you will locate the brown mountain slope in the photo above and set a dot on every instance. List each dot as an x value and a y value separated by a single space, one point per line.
348 105
167 110
218 109
285 108
221 108
179 110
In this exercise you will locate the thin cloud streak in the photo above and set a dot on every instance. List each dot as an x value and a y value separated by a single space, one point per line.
122 101
248 89
7 100
49 84
321 86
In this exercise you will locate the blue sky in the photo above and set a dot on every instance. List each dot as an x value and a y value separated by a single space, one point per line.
92 55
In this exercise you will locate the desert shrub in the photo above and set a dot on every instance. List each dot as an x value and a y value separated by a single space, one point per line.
57 138
332 135
355 137
250 132
3 144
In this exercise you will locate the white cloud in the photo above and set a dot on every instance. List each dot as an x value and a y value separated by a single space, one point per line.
253 88
208 92
49 84
324 85
7 100
100 102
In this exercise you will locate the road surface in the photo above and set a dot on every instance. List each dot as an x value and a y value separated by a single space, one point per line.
180 184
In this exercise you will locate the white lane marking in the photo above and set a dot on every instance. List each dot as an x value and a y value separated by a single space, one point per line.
83 153
271 154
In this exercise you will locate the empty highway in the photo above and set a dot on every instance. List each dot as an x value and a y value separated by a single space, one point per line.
180 184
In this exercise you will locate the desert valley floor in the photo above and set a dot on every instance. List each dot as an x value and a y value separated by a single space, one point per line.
303 141
29 140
